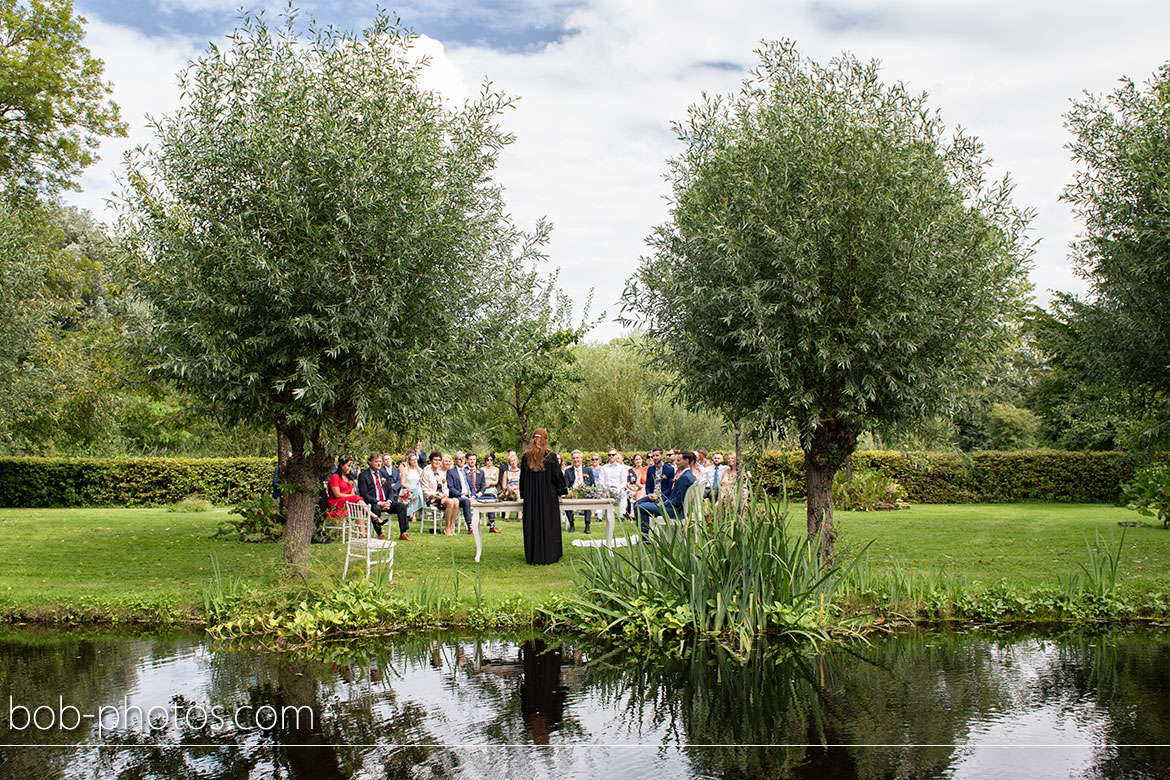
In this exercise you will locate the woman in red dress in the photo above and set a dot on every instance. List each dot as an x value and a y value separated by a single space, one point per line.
341 490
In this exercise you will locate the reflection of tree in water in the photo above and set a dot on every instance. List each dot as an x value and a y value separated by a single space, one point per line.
782 698
87 670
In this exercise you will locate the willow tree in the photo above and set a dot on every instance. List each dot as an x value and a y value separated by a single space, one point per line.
833 261
316 230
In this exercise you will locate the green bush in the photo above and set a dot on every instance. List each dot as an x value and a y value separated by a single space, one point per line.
868 491
50 482
1149 492
260 521
191 504
1011 428
977 477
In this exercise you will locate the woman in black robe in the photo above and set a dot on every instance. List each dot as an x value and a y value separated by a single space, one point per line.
541 484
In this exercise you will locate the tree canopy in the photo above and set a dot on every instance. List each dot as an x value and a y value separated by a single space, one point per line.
320 233
833 261
53 103
1121 332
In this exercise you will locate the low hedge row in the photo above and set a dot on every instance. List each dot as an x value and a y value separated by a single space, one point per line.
976 477
928 477
45 482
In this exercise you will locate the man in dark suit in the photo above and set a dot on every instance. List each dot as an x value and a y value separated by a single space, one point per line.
475 482
671 504
577 475
659 477
458 489
382 497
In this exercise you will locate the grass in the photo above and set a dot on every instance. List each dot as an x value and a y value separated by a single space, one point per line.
153 564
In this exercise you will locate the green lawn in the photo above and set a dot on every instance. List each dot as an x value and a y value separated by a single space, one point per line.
95 559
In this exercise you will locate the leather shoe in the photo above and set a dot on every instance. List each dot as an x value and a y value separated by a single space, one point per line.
493 530
402 537
470 532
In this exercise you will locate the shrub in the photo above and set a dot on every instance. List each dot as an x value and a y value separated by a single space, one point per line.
1149 492
977 477
868 491
1011 428
191 504
45 482
261 521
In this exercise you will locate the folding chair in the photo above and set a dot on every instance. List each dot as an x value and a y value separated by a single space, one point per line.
358 542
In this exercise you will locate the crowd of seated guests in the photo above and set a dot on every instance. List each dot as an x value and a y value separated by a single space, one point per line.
655 485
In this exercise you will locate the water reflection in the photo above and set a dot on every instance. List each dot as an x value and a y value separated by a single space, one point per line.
443 706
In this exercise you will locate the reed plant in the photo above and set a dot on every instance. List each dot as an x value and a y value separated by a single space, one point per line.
728 576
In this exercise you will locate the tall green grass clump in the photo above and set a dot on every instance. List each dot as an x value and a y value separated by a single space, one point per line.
725 577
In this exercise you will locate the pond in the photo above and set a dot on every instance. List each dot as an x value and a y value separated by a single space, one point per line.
915 705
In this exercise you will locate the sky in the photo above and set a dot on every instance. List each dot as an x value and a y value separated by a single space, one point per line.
599 83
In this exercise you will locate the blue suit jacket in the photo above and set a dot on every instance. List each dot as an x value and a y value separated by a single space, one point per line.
667 479
454 486
586 476
674 501
478 486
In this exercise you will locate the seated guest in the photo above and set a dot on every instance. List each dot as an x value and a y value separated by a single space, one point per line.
477 482
578 475
434 485
491 481
615 475
639 470
671 505
381 495
510 476
412 481
713 472
341 489
728 481
458 489
659 476
595 464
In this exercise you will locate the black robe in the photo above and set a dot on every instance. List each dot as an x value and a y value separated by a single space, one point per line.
542 510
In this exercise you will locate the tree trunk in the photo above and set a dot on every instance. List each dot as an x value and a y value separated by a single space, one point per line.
282 466
832 443
306 466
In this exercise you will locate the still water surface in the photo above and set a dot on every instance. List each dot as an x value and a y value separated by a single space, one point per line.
918 705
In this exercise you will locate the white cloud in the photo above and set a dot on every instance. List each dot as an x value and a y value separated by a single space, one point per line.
594 111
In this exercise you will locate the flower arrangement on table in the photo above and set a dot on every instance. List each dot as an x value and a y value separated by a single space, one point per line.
509 493
593 491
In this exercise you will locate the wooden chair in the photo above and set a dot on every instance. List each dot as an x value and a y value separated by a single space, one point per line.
360 544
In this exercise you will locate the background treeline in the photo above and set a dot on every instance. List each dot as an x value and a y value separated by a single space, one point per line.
927 477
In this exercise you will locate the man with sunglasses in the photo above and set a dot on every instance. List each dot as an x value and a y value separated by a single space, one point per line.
614 475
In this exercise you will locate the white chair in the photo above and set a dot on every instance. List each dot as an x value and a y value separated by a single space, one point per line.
358 542
434 513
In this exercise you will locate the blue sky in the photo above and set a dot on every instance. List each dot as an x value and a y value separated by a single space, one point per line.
599 82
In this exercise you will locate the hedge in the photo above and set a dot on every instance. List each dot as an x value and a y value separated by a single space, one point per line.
47 482
976 477
928 477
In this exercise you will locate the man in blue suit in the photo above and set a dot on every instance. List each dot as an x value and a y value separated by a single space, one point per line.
475 483
659 477
577 475
671 504
458 489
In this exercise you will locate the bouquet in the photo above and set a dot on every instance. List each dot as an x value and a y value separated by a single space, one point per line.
509 493
593 491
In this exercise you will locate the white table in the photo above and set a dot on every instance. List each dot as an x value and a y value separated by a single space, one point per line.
601 506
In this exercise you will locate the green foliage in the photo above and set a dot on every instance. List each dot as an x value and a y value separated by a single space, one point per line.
1149 492
626 401
130 481
191 504
320 240
53 106
977 477
1121 143
868 491
734 579
824 240
1012 428
260 521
